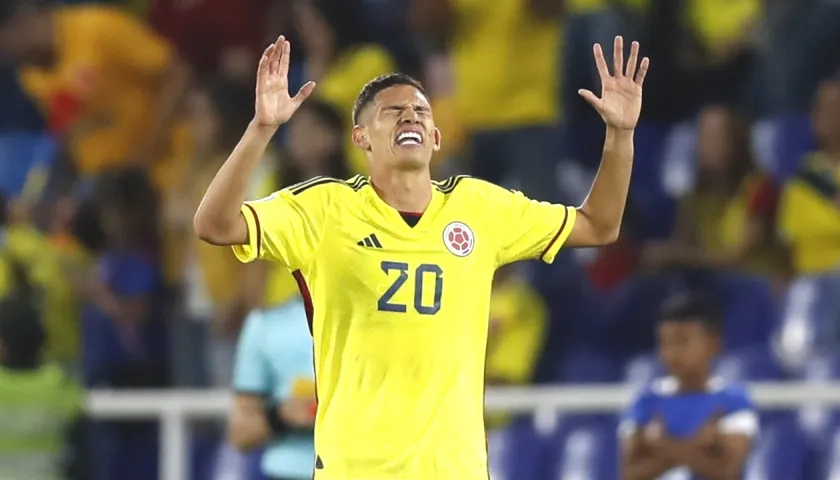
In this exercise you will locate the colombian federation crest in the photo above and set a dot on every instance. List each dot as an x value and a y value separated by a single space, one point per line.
459 239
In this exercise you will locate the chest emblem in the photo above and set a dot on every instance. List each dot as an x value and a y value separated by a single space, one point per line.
459 239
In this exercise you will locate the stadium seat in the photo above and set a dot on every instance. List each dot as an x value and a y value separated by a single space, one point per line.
819 423
642 370
749 364
750 310
808 320
779 452
518 452
19 153
585 448
655 208
588 366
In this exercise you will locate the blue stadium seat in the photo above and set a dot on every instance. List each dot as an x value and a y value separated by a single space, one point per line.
749 364
808 321
19 153
794 139
642 369
750 310
655 208
588 366
819 423
518 452
779 452
585 447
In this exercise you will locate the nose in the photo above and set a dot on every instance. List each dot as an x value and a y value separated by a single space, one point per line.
409 116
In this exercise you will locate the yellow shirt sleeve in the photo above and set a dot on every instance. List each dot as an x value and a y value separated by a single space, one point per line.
287 226
132 44
804 214
528 229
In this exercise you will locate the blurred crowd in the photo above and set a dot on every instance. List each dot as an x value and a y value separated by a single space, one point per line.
116 115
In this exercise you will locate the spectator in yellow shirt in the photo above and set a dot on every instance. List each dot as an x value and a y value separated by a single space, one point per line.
340 59
505 71
726 224
809 222
107 84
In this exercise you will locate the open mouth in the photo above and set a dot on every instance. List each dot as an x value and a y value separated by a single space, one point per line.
408 139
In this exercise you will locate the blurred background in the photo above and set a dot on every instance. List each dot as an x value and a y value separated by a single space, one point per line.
115 115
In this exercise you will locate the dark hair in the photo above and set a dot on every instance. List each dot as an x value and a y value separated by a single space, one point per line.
21 331
234 104
378 84
741 161
693 308
336 166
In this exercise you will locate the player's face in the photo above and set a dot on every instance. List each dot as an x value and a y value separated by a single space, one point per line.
399 129
686 348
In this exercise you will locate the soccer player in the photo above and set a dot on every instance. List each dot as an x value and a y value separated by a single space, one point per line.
396 269
689 424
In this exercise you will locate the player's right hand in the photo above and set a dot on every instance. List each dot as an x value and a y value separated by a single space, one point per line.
274 106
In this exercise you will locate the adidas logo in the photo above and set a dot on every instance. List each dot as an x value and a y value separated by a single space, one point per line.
370 241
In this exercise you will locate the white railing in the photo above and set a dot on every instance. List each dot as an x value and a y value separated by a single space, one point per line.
174 408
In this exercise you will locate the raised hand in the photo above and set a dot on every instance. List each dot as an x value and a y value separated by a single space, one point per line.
621 93
274 106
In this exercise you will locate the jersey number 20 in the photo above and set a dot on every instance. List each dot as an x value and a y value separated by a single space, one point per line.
422 271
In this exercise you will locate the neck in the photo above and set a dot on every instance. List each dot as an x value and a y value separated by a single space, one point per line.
694 383
404 190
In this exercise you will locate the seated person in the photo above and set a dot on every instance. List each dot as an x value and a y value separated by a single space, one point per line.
726 222
689 421
809 223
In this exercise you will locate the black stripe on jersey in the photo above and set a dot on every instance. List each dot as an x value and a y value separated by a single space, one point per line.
556 235
367 241
375 241
448 185
357 182
303 186
258 229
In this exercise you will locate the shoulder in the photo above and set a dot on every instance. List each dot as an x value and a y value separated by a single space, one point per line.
465 184
735 397
320 189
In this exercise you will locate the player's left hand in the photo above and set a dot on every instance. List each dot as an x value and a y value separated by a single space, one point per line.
621 93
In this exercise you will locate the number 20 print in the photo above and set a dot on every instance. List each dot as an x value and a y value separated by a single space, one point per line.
422 271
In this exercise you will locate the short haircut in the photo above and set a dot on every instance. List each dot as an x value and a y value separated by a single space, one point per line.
378 84
693 308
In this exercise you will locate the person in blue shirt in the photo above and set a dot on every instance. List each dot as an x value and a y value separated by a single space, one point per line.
274 401
689 424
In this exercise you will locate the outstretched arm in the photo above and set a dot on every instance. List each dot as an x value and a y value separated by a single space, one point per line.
218 219
599 218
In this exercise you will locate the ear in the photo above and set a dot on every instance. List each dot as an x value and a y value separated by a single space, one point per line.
438 139
360 138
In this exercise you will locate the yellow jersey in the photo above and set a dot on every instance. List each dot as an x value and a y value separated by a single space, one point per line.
399 315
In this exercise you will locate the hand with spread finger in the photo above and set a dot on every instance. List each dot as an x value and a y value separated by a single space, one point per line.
621 93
